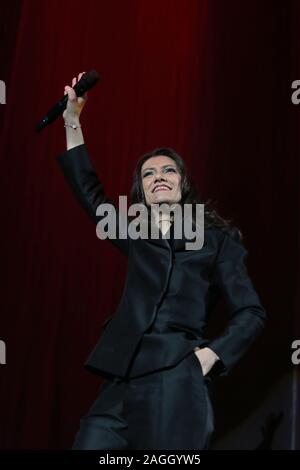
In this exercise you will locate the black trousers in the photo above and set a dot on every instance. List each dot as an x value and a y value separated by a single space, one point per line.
169 409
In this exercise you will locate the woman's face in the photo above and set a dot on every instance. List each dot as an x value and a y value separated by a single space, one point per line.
161 180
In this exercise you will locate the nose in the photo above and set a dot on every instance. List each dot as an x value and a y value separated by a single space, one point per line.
159 177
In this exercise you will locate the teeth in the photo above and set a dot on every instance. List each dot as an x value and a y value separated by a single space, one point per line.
161 187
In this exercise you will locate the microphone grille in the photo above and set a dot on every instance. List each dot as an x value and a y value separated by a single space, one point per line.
90 78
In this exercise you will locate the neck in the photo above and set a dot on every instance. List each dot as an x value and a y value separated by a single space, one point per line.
161 214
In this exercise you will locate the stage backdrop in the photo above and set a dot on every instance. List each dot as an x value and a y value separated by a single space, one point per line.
212 79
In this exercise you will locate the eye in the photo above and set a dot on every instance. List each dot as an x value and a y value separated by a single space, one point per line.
170 169
147 173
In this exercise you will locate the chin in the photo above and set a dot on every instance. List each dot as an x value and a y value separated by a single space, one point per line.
163 200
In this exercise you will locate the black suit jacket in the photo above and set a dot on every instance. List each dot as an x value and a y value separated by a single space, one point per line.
164 278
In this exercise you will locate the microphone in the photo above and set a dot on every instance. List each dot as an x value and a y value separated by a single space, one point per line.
87 81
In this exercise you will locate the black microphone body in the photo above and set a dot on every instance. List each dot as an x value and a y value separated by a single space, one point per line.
87 81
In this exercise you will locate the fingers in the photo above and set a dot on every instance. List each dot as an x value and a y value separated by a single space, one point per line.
80 75
74 80
69 90
71 93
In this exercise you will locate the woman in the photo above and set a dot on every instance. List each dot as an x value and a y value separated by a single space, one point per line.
153 353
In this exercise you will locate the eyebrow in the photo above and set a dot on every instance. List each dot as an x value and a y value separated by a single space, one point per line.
164 166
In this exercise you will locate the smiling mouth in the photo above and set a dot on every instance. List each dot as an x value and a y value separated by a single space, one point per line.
161 188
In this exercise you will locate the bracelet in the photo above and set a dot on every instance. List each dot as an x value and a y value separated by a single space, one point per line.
74 126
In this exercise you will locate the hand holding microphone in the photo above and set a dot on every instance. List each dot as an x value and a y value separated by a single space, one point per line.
73 100
75 103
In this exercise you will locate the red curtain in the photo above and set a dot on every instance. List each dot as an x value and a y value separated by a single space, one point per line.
212 79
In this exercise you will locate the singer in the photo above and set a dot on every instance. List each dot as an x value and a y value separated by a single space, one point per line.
155 359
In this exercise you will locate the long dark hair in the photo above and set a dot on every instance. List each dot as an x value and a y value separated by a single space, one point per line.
189 192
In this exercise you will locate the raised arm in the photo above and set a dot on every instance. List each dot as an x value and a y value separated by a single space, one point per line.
71 115
78 169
